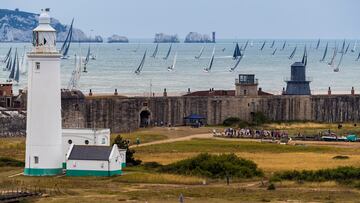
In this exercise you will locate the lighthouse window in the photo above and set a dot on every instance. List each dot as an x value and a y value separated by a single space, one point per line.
70 141
86 141
37 65
36 159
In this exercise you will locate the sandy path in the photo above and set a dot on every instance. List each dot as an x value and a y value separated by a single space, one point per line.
202 136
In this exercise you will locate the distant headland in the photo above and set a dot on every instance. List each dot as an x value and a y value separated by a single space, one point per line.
165 38
17 26
118 39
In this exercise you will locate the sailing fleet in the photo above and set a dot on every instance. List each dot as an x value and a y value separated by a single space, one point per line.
16 65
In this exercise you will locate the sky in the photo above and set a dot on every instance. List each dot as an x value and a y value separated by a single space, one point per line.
231 19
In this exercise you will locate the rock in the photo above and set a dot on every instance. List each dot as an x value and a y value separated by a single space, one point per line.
118 39
164 38
194 37
17 26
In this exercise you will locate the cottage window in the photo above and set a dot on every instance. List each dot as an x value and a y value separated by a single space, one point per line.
103 140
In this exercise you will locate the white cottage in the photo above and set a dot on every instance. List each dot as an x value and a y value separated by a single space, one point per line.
83 136
85 160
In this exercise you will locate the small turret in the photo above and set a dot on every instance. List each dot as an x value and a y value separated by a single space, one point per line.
352 91
329 91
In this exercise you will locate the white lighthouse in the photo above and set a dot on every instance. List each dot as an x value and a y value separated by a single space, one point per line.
43 140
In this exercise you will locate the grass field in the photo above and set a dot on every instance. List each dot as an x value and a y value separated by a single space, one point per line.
138 184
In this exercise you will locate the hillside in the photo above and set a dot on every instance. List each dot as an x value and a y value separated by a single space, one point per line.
17 26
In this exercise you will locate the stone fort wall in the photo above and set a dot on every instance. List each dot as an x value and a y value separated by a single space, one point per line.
122 114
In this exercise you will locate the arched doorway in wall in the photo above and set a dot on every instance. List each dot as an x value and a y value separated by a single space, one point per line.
144 118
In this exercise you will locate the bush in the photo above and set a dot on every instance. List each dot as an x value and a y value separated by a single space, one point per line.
346 173
4 161
152 165
232 121
215 166
259 118
271 187
340 157
235 122
124 144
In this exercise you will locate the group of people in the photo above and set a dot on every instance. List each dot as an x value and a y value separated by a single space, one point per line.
251 133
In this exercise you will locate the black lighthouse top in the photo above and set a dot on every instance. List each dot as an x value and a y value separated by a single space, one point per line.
298 83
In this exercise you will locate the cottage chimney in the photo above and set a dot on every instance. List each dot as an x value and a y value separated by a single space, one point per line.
115 93
165 93
329 91
352 91
188 91
90 93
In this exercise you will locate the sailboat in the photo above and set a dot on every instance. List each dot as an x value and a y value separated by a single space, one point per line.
23 64
75 75
304 58
325 52
236 64
246 44
237 52
317 44
15 72
155 51
208 68
171 68
168 53
343 47
93 54
293 53
262 47
272 44
283 46
8 64
347 48
141 65
200 53
354 48
5 60
66 45
332 61
87 58
337 67
274 51
357 59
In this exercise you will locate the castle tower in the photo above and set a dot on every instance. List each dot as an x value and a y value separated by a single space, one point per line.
246 85
43 140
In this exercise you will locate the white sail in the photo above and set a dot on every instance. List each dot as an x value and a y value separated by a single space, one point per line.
354 48
170 68
208 68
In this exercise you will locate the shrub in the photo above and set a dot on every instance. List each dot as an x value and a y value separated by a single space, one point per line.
259 118
215 166
152 165
4 161
340 157
235 122
232 121
124 144
271 186
346 173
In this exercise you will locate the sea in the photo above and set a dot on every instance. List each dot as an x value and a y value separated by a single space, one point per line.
116 62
